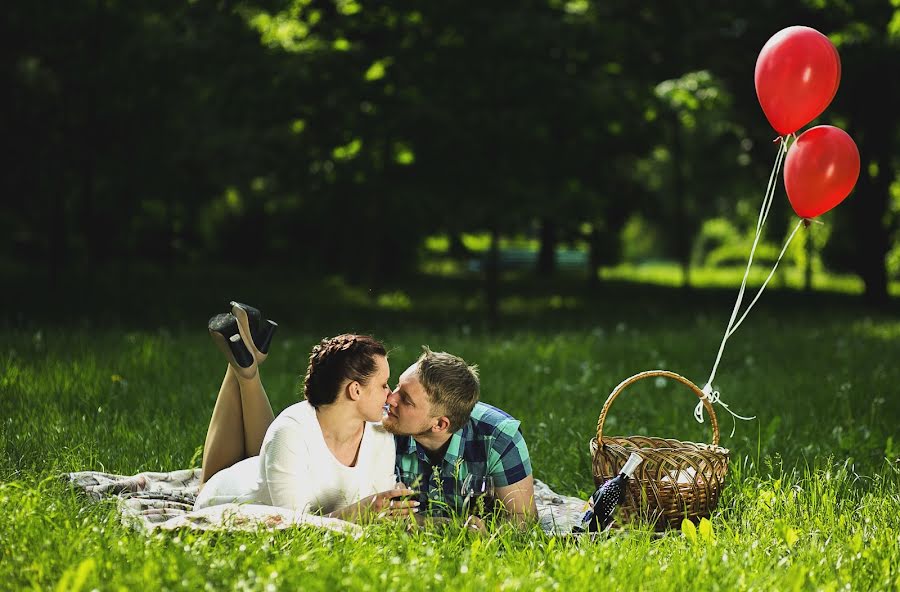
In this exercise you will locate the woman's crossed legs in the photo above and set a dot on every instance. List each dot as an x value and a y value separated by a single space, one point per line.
242 413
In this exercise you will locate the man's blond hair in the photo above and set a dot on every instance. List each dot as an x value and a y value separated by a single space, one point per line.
451 384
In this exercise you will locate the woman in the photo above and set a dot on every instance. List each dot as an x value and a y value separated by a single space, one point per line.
325 455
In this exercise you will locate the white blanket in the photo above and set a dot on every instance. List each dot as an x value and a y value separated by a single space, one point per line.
165 501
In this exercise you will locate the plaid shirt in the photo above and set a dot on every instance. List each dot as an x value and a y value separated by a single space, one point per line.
489 444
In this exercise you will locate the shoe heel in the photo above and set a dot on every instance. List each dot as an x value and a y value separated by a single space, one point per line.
241 354
264 338
253 315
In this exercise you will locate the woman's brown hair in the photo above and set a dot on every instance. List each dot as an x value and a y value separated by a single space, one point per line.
337 359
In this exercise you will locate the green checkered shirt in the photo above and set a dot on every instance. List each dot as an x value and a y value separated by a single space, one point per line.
489 444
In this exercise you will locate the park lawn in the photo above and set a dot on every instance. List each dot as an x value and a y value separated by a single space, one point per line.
812 499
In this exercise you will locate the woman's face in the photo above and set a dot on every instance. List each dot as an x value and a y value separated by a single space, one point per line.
376 390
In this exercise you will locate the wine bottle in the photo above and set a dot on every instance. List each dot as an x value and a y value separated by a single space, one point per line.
609 495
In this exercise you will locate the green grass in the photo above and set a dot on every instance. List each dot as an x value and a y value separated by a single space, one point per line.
671 274
812 499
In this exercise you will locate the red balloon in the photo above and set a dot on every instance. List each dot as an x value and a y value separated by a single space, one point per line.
820 170
837 79
797 74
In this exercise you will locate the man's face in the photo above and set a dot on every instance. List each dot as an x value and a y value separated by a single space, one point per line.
409 408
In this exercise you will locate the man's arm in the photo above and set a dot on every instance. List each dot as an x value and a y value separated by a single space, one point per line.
510 464
518 500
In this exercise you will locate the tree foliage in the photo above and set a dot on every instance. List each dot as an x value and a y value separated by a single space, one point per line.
335 135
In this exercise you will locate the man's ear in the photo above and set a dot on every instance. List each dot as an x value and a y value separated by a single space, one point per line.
442 424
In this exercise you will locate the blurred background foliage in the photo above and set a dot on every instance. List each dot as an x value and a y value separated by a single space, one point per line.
373 142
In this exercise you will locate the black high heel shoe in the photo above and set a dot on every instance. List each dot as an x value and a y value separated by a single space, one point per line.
261 331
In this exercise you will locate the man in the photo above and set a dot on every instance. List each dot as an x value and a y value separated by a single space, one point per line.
444 436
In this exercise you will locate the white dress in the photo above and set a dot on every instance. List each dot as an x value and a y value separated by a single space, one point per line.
296 470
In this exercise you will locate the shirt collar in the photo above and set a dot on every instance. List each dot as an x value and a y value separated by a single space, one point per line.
457 444
406 444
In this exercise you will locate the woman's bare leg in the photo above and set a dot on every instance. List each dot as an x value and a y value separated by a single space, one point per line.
257 410
239 421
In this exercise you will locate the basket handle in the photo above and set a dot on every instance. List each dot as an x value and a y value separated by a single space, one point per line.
649 374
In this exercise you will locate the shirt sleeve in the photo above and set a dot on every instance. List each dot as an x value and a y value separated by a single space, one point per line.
287 468
508 459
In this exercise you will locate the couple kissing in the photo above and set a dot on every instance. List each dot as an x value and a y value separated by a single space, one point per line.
354 448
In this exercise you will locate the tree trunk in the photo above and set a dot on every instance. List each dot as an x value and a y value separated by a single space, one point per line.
875 128
492 279
169 236
546 261
810 249
869 209
92 221
377 258
594 258
457 249
682 236
58 238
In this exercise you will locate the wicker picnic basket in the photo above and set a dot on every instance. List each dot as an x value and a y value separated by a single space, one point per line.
677 479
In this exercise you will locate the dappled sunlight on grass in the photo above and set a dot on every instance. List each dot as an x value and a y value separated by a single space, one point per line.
671 274
394 301
520 252
522 304
885 331
442 267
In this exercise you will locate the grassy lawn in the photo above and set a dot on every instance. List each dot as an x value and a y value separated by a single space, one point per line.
813 493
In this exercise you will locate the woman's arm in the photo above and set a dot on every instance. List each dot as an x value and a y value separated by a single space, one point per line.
290 474
287 468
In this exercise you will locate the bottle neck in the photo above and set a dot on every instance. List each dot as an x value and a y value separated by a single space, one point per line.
633 461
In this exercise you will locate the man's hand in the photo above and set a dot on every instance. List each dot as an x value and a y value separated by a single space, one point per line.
391 504
475 523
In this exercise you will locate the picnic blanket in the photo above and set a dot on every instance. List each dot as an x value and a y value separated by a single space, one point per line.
165 501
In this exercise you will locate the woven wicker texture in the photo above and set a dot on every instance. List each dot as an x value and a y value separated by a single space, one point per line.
677 479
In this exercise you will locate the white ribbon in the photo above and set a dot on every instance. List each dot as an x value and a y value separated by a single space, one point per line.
709 393
713 397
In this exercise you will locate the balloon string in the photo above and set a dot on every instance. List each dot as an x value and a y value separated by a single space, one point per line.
763 214
771 273
709 393
713 397
768 198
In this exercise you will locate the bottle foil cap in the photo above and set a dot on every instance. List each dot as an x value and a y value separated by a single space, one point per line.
633 461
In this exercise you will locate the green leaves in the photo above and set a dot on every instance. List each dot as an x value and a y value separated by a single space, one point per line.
706 531
689 530
403 154
700 533
281 30
893 28
378 69
347 151
348 7
788 534
298 125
